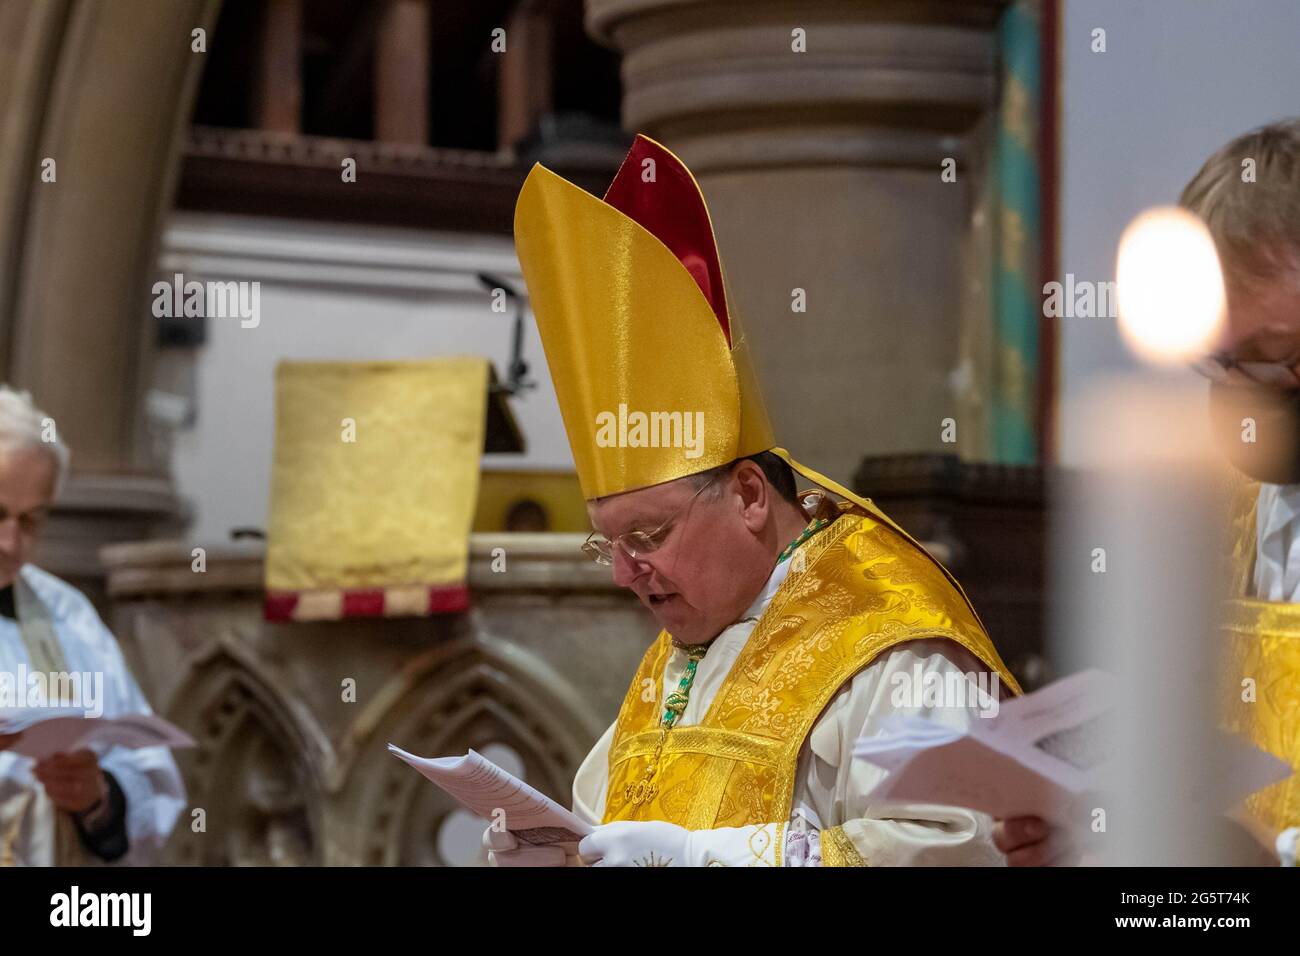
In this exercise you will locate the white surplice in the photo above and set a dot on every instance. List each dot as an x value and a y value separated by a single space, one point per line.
148 777
1277 543
831 785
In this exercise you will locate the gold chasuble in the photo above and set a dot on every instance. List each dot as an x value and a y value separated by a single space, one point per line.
859 590
1263 644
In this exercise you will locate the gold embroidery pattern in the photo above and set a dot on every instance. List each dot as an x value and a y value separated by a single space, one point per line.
679 797
743 800
640 789
1263 640
759 842
863 589
710 777
838 849
700 740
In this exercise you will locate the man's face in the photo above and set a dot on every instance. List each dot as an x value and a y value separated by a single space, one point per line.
27 477
707 569
1264 322
1263 326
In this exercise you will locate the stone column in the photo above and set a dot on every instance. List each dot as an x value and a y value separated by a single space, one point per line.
818 132
279 78
402 73
104 91
527 71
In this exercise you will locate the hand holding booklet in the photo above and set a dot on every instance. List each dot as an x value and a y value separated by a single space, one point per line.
1042 755
487 791
1035 758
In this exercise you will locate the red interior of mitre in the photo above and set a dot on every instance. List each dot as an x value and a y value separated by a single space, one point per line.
672 209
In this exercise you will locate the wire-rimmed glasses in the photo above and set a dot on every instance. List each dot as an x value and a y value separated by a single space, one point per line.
636 543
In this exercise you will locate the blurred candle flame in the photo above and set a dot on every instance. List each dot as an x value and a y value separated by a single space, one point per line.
1170 286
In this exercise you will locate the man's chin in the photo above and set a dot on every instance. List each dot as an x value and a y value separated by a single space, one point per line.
685 627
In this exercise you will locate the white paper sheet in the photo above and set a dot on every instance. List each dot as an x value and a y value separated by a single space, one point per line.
45 731
1043 755
487 791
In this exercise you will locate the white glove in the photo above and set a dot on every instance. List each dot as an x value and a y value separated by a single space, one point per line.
504 850
655 843
1286 845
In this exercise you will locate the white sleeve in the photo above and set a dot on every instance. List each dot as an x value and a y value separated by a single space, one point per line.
591 782
832 785
154 795
149 778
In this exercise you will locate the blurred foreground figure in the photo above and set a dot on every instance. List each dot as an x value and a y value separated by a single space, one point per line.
792 625
80 807
1248 193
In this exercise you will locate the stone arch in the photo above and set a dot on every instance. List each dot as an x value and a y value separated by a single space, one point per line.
257 771
471 693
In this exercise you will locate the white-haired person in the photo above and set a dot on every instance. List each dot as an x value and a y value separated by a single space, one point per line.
103 805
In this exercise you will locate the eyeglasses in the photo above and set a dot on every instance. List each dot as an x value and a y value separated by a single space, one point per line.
29 522
636 543
1223 369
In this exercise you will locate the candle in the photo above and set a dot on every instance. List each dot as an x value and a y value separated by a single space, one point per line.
1137 567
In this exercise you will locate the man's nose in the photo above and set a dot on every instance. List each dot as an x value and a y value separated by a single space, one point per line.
9 535
627 568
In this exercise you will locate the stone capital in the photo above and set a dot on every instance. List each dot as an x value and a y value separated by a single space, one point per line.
891 84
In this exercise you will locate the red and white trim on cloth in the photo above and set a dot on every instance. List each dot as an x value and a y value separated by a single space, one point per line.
336 604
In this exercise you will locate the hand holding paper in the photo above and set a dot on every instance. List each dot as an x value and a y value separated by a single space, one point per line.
487 791
1042 756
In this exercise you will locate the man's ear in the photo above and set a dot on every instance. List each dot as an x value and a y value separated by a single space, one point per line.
755 495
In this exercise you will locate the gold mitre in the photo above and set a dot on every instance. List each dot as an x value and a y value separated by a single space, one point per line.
650 366
632 307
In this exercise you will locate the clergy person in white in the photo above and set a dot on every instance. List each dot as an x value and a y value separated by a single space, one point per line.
715 572
89 806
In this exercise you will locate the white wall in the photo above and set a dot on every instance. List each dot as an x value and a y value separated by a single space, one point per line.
1179 78
332 292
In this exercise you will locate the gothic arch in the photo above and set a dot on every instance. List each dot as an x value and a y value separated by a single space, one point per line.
257 771
470 693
